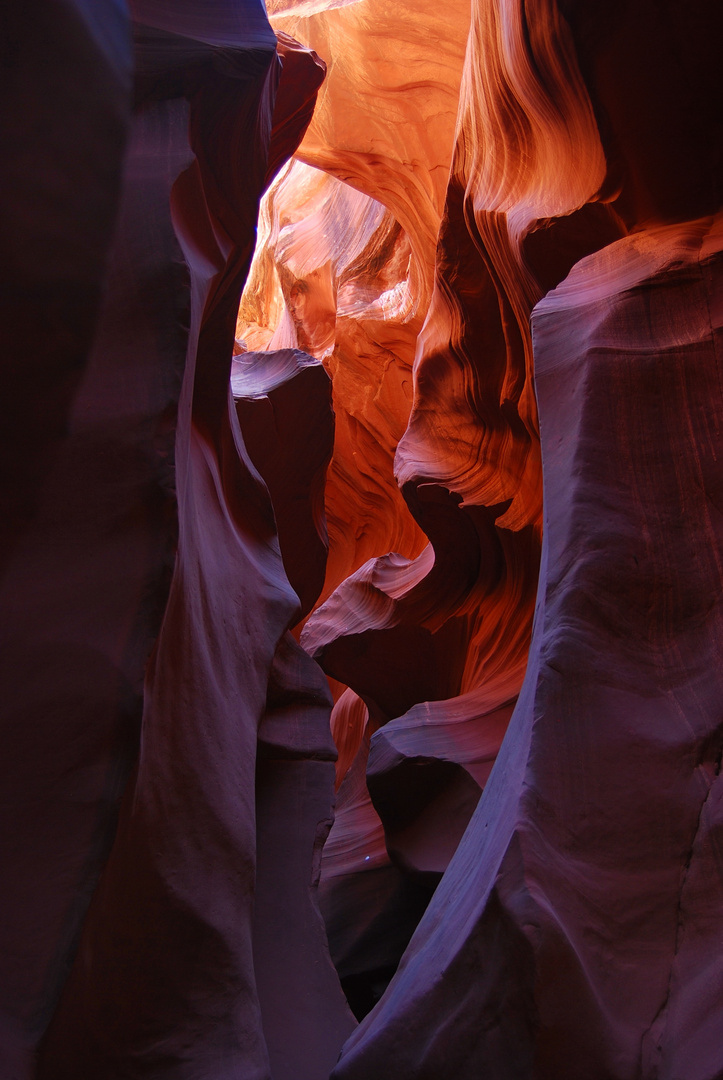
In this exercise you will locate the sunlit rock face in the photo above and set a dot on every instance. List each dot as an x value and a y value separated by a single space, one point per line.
360 263
331 276
437 437
561 146
386 117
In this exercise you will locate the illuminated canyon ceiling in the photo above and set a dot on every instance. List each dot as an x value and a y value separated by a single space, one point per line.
362 634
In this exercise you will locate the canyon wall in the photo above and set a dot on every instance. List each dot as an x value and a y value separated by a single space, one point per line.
539 942
418 503
158 885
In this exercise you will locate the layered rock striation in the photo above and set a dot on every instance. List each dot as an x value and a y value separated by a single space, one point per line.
569 932
561 148
459 444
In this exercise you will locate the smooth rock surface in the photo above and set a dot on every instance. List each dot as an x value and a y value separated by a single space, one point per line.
562 938
145 605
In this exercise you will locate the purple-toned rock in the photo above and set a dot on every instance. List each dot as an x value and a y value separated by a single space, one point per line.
144 600
573 930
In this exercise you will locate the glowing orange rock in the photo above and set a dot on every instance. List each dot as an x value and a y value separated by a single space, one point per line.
360 269
385 122
446 636
330 276
431 638
437 197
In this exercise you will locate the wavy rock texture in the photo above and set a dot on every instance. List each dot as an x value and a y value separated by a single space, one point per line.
389 136
283 403
386 117
435 640
572 924
528 152
560 148
331 276
346 274
131 945
385 126
167 759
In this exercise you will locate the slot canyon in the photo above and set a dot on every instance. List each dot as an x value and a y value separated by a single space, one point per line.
361 540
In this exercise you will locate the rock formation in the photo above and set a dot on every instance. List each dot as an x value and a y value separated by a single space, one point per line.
145 605
451 436
572 932
560 151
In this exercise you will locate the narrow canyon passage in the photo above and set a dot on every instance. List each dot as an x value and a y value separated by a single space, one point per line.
361 541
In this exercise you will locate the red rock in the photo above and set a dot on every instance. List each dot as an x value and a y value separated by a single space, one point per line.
331 276
572 918
449 629
159 539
